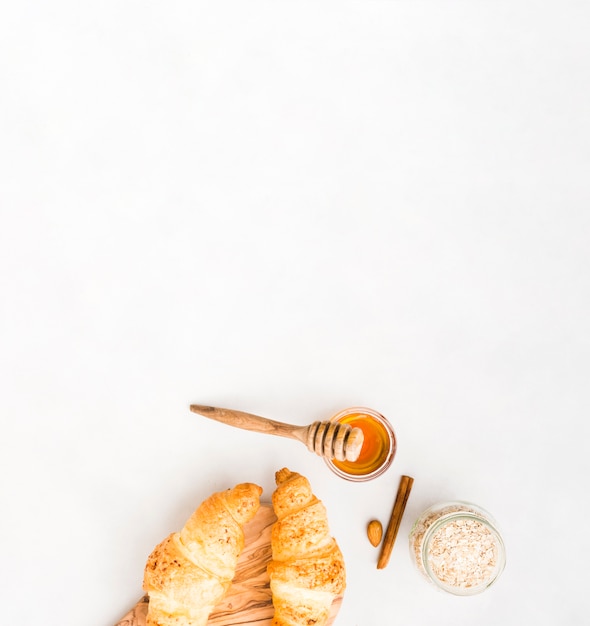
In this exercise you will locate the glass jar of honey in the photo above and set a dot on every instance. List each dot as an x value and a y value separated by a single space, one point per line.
379 445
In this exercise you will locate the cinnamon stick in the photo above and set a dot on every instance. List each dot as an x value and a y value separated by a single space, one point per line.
399 506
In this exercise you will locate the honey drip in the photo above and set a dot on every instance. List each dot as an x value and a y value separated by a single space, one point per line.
376 445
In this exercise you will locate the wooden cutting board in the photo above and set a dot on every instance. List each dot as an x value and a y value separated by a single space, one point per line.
248 600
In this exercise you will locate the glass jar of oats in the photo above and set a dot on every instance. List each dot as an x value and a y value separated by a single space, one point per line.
457 546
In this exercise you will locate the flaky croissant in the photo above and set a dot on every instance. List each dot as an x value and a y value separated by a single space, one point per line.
307 569
189 572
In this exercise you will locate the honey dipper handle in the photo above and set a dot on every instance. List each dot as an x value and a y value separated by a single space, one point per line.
248 421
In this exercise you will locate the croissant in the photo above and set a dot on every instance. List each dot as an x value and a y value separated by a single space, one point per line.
189 572
307 569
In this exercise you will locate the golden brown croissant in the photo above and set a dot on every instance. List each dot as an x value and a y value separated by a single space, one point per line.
307 569
189 572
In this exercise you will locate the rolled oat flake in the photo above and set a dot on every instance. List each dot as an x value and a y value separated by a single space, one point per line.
458 547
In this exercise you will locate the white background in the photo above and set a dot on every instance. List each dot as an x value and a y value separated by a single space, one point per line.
290 208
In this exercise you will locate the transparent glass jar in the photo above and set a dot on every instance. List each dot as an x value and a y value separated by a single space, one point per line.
379 445
458 547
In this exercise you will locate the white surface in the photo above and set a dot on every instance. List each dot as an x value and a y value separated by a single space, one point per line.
291 208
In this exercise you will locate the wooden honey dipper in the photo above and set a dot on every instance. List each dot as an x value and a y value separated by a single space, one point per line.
328 439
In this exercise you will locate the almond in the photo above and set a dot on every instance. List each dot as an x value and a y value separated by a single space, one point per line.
374 532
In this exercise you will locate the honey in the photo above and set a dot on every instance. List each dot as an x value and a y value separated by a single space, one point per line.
378 445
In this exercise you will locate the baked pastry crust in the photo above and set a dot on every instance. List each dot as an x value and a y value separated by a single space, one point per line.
307 570
189 572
